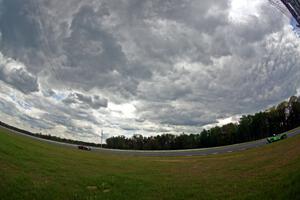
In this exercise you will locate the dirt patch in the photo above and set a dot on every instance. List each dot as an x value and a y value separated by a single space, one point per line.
172 161
92 188
106 190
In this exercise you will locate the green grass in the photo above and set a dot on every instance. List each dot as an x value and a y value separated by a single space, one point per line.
30 169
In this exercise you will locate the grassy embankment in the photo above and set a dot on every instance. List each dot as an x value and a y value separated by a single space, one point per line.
31 169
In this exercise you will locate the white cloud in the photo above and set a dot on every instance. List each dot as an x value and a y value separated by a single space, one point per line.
15 73
242 11
127 110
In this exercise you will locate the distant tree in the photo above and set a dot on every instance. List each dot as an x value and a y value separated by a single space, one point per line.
275 120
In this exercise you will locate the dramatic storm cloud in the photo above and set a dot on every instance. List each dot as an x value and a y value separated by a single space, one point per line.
71 68
15 74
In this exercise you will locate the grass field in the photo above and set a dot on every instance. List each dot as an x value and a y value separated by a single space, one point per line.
30 169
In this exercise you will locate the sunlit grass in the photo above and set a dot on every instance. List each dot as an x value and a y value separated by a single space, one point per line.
31 169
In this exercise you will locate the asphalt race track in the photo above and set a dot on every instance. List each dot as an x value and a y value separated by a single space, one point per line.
190 152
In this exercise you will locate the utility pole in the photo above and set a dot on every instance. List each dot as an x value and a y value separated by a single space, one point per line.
101 137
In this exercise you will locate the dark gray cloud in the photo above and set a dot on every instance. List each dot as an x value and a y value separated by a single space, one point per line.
18 28
172 65
94 101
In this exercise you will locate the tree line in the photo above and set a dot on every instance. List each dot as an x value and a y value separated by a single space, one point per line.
276 120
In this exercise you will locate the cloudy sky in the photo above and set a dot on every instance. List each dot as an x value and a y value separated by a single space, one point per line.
71 68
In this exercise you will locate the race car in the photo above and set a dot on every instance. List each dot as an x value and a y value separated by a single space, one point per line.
81 147
276 138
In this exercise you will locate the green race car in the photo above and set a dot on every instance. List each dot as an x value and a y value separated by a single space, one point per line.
276 138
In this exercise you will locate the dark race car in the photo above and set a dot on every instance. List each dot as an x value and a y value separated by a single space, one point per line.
85 148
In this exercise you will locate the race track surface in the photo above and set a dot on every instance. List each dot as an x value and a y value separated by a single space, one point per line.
190 152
